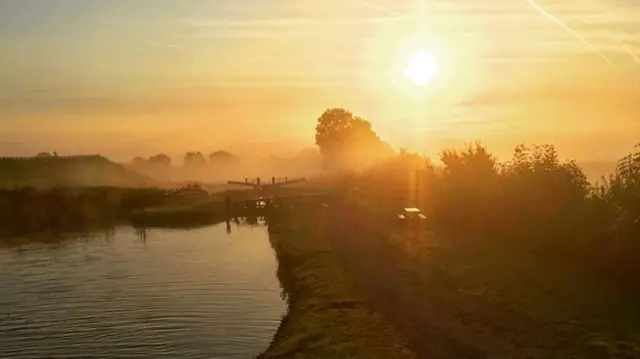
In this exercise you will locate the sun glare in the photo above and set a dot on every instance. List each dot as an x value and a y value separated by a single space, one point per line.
421 68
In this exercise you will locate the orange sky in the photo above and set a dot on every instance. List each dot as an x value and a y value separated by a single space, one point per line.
135 78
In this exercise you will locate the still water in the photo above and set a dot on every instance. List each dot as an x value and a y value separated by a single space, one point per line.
199 293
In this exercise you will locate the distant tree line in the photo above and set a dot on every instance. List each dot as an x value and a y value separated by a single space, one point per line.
191 160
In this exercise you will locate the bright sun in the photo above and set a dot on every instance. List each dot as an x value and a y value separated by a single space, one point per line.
421 68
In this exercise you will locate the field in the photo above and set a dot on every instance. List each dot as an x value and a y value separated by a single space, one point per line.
442 296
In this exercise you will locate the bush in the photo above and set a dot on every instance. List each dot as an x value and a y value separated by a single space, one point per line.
534 200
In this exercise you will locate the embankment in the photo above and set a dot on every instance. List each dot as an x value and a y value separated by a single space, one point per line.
28 211
328 317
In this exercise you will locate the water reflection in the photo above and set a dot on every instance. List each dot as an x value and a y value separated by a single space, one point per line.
137 293
249 222
255 221
141 232
55 241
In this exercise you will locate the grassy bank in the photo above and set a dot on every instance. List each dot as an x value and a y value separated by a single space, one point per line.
328 317
189 213
58 210
54 211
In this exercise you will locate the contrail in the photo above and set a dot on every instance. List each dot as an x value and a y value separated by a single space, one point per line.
620 43
635 56
573 32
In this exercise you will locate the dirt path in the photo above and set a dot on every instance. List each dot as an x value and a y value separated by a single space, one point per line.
429 309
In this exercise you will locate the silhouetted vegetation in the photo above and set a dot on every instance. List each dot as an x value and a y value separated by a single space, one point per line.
57 210
523 257
29 210
194 160
222 158
534 200
347 141
157 167
221 166
160 160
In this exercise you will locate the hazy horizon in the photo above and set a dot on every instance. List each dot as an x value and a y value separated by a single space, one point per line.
127 79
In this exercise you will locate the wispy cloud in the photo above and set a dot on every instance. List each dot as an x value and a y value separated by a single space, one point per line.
618 38
278 28
287 22
377 7
573 32
167 46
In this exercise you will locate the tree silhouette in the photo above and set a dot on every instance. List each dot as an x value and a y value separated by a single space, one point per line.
138 162
160 160
346 141
539 190
622 193
194 160
222 158
468 186
628 167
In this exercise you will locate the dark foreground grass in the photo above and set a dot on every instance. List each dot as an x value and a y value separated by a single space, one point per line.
592 315
580 306
328 317
462 297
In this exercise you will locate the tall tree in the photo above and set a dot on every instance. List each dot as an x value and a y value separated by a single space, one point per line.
161 161
138 162
222 158
194 160
347 141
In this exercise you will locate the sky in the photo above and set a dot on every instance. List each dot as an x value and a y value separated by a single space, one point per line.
134 78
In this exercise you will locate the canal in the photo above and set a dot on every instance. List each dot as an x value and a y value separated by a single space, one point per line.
197 293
